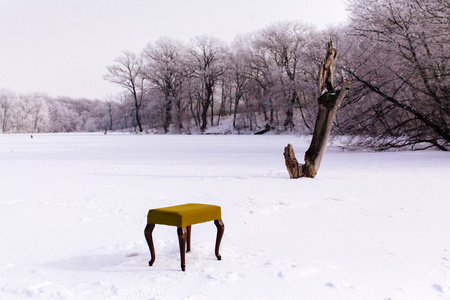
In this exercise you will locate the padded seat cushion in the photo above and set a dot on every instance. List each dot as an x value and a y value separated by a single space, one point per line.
184 215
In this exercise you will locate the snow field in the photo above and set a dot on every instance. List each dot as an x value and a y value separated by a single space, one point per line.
73 209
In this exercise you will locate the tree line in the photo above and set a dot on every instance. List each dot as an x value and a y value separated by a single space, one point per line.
37 112
260 79
394 52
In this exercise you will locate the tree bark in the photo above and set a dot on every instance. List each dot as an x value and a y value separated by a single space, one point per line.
295 169
328 102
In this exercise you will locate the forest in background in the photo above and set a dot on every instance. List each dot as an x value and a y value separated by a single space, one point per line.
394 53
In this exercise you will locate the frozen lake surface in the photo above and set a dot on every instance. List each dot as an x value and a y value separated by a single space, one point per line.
73 209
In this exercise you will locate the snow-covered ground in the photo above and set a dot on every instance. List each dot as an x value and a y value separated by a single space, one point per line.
73 209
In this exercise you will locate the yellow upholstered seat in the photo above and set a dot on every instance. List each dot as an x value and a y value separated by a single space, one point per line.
184 215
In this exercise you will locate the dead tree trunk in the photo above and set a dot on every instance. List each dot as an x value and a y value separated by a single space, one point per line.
329 102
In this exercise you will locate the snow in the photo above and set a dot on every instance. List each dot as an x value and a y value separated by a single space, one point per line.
73 210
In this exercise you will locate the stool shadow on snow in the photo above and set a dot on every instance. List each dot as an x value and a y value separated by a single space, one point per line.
96 262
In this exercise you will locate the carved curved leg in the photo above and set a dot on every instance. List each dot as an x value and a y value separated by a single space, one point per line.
182 237
148 236
188 238
220 229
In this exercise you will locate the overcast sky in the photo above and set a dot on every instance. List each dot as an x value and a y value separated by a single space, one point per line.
62 47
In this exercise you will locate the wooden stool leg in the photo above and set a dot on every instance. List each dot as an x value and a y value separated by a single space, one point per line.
182 237
148 236
220 229
188 238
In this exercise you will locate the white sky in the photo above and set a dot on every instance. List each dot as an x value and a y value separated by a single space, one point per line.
62 47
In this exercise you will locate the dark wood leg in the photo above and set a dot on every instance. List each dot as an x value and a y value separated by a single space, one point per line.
220 229
188 238
182 237
148 236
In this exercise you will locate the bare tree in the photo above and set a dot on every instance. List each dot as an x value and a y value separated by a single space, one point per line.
165 69
6 103
128 73
263 76
40 113
30 113
287 44
237 74
111 106
400 61
206 66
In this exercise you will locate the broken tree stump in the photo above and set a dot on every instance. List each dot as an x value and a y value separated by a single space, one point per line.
328 102
295 169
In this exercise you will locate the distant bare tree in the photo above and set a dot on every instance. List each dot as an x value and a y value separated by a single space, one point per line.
263 76
206 65
40 113
128 73
31 113
111 105
286 43
237 74
165 69
6 104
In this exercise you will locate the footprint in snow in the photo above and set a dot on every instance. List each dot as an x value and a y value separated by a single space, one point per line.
339 285
440 288
335 199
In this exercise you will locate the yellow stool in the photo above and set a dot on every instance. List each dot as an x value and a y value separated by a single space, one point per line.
183 216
